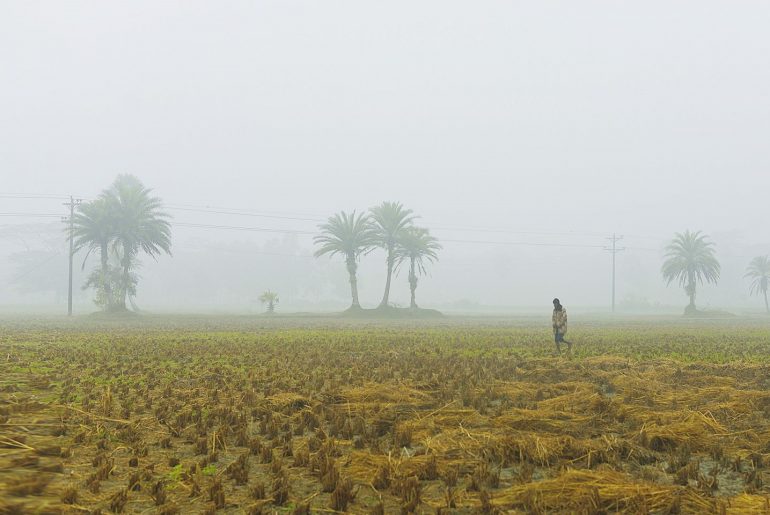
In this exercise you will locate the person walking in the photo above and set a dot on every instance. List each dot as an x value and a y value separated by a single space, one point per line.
559 322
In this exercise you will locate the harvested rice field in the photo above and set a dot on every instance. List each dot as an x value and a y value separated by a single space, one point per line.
472 416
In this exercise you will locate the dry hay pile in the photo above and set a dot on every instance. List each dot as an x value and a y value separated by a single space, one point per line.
597 491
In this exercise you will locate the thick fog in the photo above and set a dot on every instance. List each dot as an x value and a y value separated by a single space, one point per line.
523 133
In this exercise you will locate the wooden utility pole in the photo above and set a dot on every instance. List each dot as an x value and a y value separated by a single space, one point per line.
71 204
614 249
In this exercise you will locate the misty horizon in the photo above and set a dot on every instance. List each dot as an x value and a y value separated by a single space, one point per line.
523 135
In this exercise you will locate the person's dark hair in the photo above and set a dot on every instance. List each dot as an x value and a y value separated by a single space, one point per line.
556 301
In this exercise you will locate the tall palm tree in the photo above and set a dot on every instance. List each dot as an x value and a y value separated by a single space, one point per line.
271 299
417 246
349 235
759 273
690 260
141 225
389 221
94 230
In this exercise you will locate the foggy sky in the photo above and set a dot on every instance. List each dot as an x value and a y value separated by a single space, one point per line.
584 118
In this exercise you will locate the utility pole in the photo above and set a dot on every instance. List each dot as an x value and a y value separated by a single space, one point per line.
71 204
614 249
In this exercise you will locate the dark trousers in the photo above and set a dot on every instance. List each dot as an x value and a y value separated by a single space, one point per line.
558 338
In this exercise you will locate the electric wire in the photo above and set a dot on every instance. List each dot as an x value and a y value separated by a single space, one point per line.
208 209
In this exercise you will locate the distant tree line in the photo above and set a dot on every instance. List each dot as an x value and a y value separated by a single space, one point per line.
126 220
122 222
388 226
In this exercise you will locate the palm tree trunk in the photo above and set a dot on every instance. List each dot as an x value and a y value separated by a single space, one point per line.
767 307
691 291
106 285
412 283
126 262
351 262
386 295
124 288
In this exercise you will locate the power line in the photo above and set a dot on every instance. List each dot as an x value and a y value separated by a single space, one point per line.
642 248
311 218
33 215
182 207
200 208
526 243
245 210
262 214
312 233
249 252
32 196
289 231
240 228
461 229
648 237
239 213
510 231
300 217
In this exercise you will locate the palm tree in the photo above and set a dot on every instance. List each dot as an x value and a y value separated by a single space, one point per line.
271 299
389 221
141 225
417 246
349 235
759 273
690 260
94 230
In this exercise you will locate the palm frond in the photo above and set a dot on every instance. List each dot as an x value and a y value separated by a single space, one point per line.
759 273
690 260
389 221
416 243
349 234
